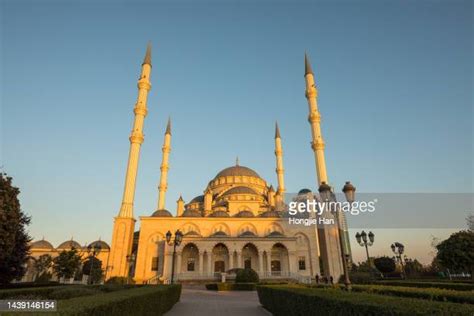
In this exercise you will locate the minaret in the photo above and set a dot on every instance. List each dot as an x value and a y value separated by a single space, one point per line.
279 164
314 119
163 186
124 224
327 235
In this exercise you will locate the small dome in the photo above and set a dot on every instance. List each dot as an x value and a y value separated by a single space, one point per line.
99 244
191 213
247 233
192 233
161 213
237 171
270 214
244 214
219 234
198 199
219 214
240 190
275 234
304 191
41 244
69 244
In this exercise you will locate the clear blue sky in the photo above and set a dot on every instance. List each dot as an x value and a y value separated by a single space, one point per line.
395 91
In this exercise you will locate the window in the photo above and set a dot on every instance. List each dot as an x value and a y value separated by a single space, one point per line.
191 264
302 263
154 264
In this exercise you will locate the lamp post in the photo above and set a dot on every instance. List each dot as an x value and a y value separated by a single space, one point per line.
398 249
326 195
130 260
363 242
93 250
178 237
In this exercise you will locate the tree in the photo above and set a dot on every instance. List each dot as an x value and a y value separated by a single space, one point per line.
42 264
470 222
67 263
385 264
14 239
413 267
457 252
93 268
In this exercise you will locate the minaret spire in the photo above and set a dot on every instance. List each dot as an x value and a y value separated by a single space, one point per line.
279 166
314 119
168 126
147 59
124 224
277 131
307 65
163 186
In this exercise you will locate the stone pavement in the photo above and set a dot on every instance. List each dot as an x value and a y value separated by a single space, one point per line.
197 301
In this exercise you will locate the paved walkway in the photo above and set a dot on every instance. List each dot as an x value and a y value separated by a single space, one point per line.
199 301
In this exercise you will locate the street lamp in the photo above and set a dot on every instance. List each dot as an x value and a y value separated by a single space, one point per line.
363 242
93 250
398 249
326 194
178 237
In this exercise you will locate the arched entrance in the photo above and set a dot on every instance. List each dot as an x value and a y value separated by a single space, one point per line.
279 260
250 257
220 258
190 258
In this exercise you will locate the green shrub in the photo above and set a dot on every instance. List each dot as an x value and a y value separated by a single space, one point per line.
144 300
231 286
35 292
44 278
297 300
70 292
120 280
22 285
423 293
440 285
359 277
246 276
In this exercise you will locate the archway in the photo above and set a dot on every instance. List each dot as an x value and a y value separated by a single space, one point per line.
190 258
220 258
250 257
279 260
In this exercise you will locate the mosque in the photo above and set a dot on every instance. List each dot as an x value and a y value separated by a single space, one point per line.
240 220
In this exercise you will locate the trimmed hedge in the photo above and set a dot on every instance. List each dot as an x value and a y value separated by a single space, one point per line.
145 300
22 285
231 286
421 284
301 301
62 292
431 294
36 292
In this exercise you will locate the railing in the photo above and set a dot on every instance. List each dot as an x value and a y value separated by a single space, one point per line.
264 275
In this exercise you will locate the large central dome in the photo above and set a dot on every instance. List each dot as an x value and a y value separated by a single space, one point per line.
237 171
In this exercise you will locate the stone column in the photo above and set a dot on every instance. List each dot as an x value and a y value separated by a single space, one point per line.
269 262
178 262
291 262
239 260
231 260
260 262
201 263
209 266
